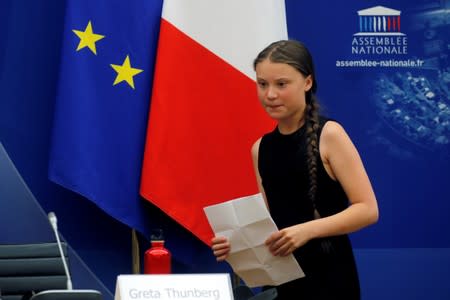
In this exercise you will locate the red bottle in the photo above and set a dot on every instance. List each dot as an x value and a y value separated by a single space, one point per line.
157 259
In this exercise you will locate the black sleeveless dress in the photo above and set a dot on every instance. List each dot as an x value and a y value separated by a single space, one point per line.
330 272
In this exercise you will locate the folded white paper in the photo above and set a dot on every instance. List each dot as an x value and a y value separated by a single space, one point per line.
246 223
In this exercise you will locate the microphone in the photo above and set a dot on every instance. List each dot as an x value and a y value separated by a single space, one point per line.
53 222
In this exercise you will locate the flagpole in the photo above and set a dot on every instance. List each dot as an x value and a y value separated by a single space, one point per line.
135 252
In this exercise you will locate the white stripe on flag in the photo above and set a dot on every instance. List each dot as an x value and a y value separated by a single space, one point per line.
234 30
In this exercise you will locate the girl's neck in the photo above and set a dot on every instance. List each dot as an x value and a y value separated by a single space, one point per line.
288 127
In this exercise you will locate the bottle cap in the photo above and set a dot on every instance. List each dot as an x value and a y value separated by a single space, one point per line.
157 235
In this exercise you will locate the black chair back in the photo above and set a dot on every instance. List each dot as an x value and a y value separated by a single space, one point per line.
26 269
68 295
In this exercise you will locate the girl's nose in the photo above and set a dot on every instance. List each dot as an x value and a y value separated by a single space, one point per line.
271 93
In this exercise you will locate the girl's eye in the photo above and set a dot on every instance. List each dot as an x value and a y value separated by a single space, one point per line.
262 84
281 84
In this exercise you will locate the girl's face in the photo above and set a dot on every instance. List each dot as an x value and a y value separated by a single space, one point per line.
281 91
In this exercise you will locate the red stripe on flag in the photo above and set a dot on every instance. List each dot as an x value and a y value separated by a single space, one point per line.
204 117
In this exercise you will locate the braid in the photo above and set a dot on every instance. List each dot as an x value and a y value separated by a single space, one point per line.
312 141
312 152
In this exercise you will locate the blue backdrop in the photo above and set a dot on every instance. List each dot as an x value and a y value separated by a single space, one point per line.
397 114
398 117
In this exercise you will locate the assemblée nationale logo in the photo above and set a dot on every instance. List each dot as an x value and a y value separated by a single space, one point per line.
379 32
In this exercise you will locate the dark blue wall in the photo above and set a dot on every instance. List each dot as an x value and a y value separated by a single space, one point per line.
29 57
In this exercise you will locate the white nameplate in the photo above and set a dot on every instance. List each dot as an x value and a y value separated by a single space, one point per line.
174 286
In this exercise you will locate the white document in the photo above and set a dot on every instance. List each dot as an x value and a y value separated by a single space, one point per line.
246 223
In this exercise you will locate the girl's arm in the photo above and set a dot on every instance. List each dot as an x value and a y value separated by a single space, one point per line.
343 163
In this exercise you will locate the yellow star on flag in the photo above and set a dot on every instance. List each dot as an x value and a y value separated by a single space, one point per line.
88 38
125 72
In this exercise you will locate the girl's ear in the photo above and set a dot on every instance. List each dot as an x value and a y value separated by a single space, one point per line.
308 83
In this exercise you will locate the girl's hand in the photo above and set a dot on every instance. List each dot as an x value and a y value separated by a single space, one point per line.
220 247
285 241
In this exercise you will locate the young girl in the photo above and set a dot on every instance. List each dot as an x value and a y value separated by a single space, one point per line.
312 178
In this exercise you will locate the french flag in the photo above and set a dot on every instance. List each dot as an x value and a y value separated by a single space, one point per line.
204 112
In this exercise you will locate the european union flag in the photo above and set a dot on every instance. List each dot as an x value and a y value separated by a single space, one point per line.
102 103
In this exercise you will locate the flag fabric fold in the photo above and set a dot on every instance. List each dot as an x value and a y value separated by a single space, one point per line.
102 103
204 113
